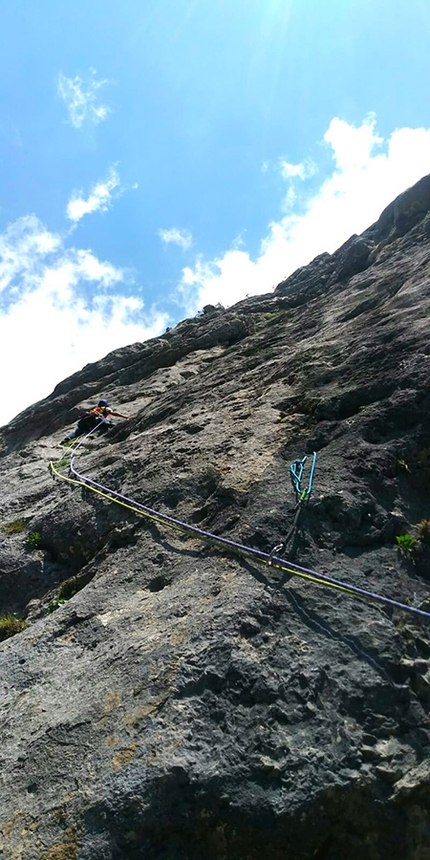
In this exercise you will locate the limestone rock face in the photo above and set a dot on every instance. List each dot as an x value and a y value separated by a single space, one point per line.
184 704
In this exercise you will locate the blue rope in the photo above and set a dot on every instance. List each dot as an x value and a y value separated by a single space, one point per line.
296 471
311 476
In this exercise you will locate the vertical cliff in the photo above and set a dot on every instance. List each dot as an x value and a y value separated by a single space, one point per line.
171 701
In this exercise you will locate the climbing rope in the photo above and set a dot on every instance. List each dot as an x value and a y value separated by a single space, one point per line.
296 472
242 550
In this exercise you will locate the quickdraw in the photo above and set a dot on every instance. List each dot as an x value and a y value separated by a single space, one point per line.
296 472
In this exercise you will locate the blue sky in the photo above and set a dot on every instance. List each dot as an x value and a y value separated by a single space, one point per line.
157 155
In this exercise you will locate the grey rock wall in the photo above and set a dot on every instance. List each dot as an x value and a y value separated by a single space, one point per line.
183 704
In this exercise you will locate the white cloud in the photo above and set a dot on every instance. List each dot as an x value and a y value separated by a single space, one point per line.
292 173
34 243
80 96
59 309
302 171
98 200
183 238
364 180
352 147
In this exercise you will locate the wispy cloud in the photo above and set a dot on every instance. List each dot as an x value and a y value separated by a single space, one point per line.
67 307
173 236
367 174
80 95
98 200
302 171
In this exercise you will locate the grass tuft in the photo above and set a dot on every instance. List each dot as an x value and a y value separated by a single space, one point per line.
69 587
10 625
273 314
423 530
13 528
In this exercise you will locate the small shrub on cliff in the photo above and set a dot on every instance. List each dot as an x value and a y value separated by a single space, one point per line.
9 625
406 543
13 528
68 588
423 530
33 541
55 603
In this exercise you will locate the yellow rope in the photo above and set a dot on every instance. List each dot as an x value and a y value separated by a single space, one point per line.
183 529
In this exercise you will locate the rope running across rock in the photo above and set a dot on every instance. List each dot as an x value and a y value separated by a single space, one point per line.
269 559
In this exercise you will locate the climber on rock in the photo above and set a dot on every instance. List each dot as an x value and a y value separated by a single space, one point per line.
94 418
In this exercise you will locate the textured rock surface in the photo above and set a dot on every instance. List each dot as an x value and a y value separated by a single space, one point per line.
184 704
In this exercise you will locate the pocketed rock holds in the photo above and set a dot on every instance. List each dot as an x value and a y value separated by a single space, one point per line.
183 704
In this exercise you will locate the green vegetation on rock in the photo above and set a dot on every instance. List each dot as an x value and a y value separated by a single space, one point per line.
14 527
10 625
272 315
33 541
68 589
406 543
